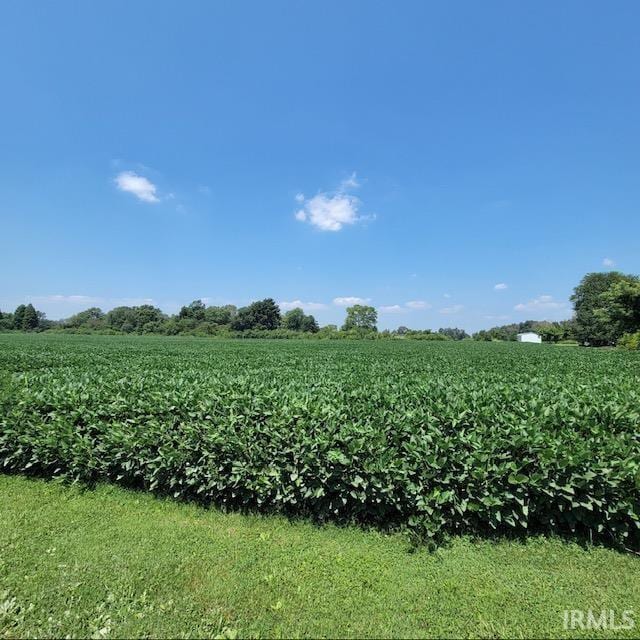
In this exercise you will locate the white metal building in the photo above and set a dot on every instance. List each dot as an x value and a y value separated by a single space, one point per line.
530 336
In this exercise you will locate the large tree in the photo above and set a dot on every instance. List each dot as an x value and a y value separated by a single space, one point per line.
297 320
30 318
18 316
622 306
194 311
91 317
362 317
220 315
590 299
263 314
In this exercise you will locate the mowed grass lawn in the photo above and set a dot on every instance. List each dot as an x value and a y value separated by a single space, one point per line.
108 562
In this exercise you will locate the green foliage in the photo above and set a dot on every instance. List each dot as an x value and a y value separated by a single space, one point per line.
18 317
194 311
630 341
263 314
91 318
361 317
453 333
220 315
444 437
621 306
592 300
549 331
297 320
29 318
134 319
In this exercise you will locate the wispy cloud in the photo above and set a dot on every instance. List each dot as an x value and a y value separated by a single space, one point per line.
501 286
306 306
139 186
608 262
456 308
499 317
347 301
392 308
541 303
331 211
418 304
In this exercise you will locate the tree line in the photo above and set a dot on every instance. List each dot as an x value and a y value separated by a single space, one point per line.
262 318
606 313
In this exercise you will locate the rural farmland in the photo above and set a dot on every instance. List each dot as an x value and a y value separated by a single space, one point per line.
440 438
420 440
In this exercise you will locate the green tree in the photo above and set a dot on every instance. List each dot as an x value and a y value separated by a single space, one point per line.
18 316
593 324
310 324
362 317
30 318
220 315
121 319
263 314
294 319
453 333
92 317
194 311
621 307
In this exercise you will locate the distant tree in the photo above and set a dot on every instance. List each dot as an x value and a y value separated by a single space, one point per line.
590 302
361 317
146 314
220 315
453 333
293 319
263 314
328 331
297 320
121 319
310 324
18 316
194 311
402 330
29 318
91 317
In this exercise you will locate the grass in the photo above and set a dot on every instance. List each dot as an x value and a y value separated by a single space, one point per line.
115 563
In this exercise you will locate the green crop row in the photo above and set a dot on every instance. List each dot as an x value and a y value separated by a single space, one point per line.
438 437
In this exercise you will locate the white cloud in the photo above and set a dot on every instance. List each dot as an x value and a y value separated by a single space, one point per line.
446 295
139 186
608 262
347 301
541 303
392 308
350 183
418 304
331 211
456 308
501 286
307 306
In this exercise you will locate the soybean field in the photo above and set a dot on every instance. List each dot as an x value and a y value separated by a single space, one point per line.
437 438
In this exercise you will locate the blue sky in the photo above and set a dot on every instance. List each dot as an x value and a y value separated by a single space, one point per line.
412 154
